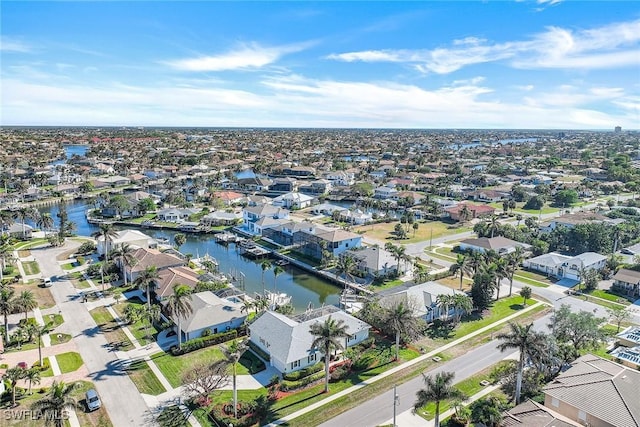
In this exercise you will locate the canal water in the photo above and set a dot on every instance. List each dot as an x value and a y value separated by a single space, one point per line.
304 288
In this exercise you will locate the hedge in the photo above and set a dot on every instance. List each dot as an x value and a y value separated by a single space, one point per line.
260 352
286 385
198 343
309 370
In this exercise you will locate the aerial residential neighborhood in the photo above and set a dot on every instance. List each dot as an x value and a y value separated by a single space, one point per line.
293 292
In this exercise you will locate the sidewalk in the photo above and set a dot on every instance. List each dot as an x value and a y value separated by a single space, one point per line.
392 371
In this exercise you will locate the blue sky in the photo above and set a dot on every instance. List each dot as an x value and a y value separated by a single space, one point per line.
528 64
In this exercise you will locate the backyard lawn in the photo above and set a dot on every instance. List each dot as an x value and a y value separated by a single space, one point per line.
426 231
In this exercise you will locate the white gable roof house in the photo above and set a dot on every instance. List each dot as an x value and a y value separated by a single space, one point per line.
566 267
424 298
288 340
135 238
293 200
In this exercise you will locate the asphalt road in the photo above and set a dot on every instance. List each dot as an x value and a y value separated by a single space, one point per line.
119 395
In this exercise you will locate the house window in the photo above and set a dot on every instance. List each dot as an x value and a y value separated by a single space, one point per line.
582 416
295 364
312 358
555 402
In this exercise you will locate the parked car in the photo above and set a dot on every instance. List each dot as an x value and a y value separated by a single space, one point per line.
93 401
46 282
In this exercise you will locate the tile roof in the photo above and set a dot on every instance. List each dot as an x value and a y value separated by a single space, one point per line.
602 388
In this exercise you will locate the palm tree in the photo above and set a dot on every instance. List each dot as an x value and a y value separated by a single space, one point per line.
276 272
463 305
149 315
124 255
475 261
233 353
13 375
57 400
108 233
400 320
328 338
179 239
145 281
525 293
264 265
45 222
462 266
247 306
32 376
499 272
39 331
346 265
7 305
513 262
26 301
527 342
464 213
493 225
445 301
179 304
24 214
437 388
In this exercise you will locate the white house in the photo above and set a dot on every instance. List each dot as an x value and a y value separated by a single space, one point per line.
566 267
423 298
288 340
384 193
211 312
175 214
356 217
341 178
257 218
134 238
499 244
374 260
293 200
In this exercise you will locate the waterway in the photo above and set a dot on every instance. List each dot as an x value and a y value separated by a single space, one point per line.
304 288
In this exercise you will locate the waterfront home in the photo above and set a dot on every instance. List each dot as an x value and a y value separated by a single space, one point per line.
256 218
566 267
341 178
499 244
287 340
209 312
596 392
283 185
282 234
355 217
151 257
317 187
293 200
423 300
134 238
384 192
326 209
373 261
229 198
313 240
221 218
168 277
19 231
299 171
627 281
475 211
175 214
254 183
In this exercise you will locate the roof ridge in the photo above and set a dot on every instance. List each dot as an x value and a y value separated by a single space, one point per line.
624 402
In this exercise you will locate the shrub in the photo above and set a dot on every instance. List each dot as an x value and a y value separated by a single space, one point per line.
93 270
80 260
309 370
286 385
206 333
44 366
260 352
87 248
340 373
198 343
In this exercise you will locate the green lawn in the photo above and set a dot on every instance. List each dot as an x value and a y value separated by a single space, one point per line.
174 367
69 362
55 319
609 296
110 328
500 309
529 281
48 372
30 244
68 266
426 231
30 267
63 338
144 378
138 329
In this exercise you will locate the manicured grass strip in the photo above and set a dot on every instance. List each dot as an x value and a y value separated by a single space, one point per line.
529 281
68 266
96 418
30 267
63 338
55 319
69 362
605 294
110 328
48 372
144 378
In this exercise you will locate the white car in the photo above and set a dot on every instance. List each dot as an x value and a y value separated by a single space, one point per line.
46 282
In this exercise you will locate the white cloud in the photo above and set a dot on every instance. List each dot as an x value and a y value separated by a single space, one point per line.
610 46
13 45
244 57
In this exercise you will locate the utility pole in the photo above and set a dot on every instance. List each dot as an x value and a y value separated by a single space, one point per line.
396 402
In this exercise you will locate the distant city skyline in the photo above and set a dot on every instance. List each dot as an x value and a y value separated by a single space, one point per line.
546 64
